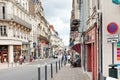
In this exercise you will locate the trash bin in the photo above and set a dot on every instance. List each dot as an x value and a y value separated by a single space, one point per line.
118 66
113 72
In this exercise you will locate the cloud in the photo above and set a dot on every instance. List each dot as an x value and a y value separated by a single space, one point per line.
62 28
57 13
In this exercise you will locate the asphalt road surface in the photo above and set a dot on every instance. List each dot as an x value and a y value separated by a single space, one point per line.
30 71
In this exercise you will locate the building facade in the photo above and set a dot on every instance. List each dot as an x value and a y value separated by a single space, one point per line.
40 30
14 29
98 38
109 19
75 24
55 41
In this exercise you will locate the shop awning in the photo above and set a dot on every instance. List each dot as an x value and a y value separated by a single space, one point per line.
77 47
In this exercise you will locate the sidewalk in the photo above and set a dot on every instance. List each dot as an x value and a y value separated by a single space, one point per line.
69 73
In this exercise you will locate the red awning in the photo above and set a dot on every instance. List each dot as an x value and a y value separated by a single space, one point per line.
77 48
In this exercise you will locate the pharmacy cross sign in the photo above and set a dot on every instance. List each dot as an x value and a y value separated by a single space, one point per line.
112 27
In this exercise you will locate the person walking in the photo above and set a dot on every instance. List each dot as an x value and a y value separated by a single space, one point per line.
21 59
31 58
68 57
64 59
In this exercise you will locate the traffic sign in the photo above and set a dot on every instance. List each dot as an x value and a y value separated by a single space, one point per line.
112 27
113 38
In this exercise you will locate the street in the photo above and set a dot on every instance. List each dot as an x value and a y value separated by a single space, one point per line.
29 71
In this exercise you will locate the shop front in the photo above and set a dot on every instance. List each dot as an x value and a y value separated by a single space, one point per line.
91 52
16 52
3 53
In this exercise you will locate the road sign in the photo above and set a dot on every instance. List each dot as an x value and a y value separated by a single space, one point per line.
113 38
112 27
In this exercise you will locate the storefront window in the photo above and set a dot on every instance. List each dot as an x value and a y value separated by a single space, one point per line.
17 53
3 54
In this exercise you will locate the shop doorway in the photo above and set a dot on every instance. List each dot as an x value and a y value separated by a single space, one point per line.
3 53
89 58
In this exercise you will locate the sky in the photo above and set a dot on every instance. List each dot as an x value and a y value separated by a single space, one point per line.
58 13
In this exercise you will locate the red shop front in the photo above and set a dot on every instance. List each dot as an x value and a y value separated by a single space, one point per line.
91 52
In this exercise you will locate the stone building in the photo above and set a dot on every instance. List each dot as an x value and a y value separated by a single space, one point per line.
100 38
14 29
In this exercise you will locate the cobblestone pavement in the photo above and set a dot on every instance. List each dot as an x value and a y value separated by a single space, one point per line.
69 73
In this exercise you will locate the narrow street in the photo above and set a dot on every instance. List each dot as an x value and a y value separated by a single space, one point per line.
39 39
27 72
30 71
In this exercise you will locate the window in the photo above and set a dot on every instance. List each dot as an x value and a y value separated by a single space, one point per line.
3 31
21 35
14 32
3 10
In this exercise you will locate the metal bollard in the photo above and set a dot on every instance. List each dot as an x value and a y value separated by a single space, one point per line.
45 72
56 67
39 72
51 71
59 64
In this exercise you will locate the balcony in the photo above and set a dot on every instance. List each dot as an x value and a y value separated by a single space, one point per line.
19 5
10 17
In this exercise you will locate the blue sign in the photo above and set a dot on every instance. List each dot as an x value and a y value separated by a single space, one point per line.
116 1
118 42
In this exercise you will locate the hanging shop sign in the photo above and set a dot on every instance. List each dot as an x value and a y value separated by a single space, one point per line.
118 50
116 1
112 27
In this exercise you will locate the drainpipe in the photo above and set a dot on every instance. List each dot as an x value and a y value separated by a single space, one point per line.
99 40
82 36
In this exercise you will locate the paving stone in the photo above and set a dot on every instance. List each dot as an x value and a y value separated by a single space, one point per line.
70 73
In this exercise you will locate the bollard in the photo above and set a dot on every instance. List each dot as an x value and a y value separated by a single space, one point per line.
12 64
45 72
15 64
38 72
51 71
59 64
56 67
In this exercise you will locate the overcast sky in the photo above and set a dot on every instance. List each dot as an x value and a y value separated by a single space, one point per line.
57 13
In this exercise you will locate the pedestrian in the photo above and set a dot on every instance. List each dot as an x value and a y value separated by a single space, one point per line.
64 59
24 58
31 58
68 57
21 59
71 62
